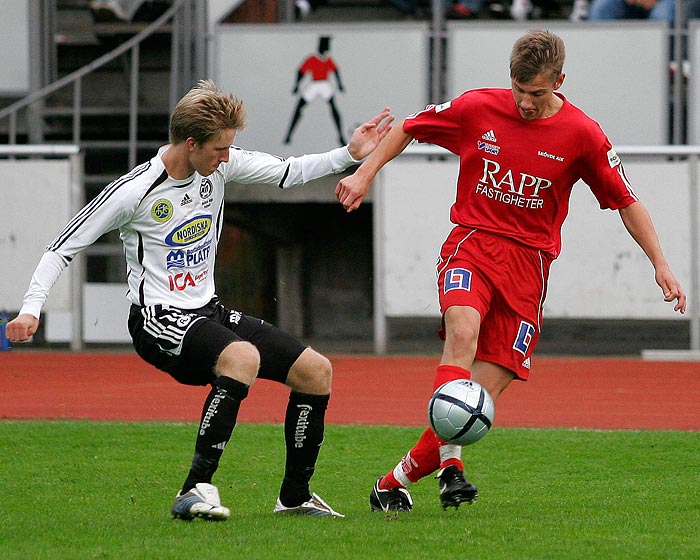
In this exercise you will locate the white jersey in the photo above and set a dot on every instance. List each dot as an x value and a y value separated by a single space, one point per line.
170 228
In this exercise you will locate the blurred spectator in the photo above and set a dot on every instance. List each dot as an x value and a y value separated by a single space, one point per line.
579 11
454 9
115 10
303 8
632 9
128 10
463 9
497 9
662 10
521 10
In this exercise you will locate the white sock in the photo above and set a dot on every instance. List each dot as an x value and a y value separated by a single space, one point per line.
450 451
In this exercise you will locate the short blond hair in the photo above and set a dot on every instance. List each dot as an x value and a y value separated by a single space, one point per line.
205 111
538 52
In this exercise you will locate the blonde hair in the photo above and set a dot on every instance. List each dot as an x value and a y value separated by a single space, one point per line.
203 112
538 52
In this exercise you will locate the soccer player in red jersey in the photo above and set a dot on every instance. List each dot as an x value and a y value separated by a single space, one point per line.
521 151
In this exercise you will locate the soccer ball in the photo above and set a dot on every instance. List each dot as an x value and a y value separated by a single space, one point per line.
461 411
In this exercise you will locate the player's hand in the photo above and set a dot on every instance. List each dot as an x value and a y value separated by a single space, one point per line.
367 136
671 288
21 328
351 191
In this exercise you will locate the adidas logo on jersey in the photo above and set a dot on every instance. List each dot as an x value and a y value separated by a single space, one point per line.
185 200
489 136
526 363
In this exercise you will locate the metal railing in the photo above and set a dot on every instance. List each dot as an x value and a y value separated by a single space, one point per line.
187 63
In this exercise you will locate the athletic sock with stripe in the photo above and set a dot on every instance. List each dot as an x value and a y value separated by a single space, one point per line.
219 416
304 424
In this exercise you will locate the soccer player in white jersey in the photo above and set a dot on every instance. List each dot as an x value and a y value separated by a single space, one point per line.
169 213
521 152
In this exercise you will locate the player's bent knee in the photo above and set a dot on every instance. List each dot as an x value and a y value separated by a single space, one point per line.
312 373
240 360
463 335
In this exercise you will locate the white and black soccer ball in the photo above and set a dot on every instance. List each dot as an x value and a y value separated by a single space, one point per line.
461 411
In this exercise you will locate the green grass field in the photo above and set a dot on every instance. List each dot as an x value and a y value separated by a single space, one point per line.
78 490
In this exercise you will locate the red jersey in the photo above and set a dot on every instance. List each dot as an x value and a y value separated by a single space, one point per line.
516 175
319 67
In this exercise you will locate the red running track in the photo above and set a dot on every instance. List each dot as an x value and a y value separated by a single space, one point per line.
596 393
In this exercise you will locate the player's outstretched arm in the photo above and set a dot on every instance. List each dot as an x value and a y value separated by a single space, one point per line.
352 189
366 137
640 227
21 328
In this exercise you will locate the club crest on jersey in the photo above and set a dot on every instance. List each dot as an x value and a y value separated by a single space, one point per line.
162 210
190 232
206 188
458 279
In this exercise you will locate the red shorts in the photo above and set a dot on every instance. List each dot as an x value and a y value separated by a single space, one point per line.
506 282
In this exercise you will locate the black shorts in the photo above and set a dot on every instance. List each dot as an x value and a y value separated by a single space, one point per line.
186 343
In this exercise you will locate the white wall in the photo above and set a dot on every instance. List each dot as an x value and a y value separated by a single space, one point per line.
14 47
615 71
379 65
601 273
36 204
694 82
608 67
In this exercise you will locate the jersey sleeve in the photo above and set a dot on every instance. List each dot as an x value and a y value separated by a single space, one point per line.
439 124
605 175
248 167
48 270
109 210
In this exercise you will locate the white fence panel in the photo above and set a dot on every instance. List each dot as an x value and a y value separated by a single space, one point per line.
608 65
601 273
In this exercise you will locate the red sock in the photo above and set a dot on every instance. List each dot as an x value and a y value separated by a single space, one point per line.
389 482
456 462
424 458
447 372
